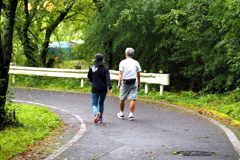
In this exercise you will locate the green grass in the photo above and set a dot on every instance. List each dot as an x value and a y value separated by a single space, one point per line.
34 123
49 82
226 104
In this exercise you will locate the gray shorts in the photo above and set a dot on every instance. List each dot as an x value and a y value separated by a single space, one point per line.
128 91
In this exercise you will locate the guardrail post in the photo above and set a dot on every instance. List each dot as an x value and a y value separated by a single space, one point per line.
146 88
161 89
13 79
82 83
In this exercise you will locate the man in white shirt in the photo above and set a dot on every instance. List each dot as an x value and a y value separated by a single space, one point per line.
128 82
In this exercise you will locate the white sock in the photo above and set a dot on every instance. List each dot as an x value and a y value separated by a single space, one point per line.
121 112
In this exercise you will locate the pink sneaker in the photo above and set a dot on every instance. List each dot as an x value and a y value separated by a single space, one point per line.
96 117
99 120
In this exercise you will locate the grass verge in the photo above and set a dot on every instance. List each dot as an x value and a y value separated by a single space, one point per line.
34 124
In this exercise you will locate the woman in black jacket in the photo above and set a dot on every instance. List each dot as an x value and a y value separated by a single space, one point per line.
99 76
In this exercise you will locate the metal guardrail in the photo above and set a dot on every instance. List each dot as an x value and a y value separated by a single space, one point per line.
146 78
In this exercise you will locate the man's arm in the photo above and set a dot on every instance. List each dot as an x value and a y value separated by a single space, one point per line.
119 79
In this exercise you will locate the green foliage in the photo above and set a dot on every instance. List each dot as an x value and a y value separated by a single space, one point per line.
194 41
72 64
83 51
227 103
41 22
47 82
36 124
197 42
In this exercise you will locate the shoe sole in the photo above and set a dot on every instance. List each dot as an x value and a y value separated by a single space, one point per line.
130 119
96 117
99 120
120 117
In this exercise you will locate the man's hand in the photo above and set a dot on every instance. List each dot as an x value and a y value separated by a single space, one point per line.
110 91
118 87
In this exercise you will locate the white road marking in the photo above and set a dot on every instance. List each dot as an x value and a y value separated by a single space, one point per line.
233 139
69 143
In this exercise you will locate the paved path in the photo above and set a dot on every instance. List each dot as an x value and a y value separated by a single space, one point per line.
156 132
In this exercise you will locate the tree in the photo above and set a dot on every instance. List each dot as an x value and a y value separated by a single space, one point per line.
194 41
23 31
50 29
27 16
121 24
42 18
201 52
6 47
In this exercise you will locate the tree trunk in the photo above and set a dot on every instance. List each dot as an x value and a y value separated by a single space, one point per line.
3 88
50 30
6 53
28 46
109 53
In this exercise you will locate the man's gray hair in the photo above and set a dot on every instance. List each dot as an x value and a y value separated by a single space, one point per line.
129 52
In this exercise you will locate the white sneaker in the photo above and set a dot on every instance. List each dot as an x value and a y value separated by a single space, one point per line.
121 116
130 118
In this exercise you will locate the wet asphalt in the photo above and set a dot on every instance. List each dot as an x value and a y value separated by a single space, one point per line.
157 132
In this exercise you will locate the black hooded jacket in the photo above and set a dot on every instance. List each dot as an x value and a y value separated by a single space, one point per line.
99 76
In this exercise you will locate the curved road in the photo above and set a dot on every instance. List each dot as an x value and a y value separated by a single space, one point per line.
156 132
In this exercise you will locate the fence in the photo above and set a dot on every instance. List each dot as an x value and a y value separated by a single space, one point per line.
146 78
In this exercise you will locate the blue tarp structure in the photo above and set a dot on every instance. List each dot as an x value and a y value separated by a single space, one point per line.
62 50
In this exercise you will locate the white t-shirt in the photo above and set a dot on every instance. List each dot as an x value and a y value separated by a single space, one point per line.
129 67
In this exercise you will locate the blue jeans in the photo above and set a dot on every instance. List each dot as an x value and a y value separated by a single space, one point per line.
98 102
